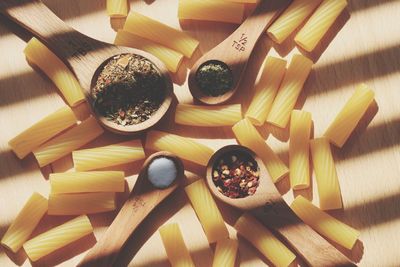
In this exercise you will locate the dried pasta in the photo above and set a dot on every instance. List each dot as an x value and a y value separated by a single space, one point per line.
58 237
207 211
25 222
290 89
65 143
225 253
319 23
325 173
171 58
242 1
265 242
291 19
158 32
56 70
324 223
249 6
299 156
208 116
79 182
348 118
211 10
266 89
247 135
177 252
117 8
181 146
107 156
81 203
42 131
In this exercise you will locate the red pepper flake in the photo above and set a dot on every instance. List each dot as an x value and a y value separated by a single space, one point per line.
236 175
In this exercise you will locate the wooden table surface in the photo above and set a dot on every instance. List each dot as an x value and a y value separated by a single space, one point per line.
364 46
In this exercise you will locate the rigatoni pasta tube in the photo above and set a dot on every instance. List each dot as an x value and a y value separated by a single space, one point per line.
324 223
117 8
171 58
25 222
177 252
249 6
225 253
325 174
319 23
207 211
81 203
211 10
291 87
58 237
156 31
208 116
107 156
242 1
181 146
266 89
350 115
247 135
290 20
67 142
299 156
261 238
56 70
42 131
79 182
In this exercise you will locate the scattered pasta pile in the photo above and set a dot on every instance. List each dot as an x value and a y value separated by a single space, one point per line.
89 190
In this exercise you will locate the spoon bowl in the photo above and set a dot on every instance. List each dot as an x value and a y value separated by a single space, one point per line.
269 207
156 117
236 49
84 55
266 190
142 200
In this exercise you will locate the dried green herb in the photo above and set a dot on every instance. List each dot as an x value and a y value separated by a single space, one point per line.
236 175
214 78
128 90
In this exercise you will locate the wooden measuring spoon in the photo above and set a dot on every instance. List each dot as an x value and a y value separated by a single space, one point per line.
84 55
142 200
235 50
268 205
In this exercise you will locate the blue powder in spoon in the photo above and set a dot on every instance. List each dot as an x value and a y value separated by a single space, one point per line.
162 172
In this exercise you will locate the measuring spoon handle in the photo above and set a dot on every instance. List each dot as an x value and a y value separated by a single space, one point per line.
133 212
313 248
70 45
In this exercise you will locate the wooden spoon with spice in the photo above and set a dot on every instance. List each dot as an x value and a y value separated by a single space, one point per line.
262 198
156 181
215 77
115 106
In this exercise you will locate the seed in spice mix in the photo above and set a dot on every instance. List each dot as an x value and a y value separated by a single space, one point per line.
128 90
214 78
236 175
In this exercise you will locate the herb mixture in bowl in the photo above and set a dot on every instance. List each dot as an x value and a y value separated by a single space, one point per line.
129 90
214 78
236 175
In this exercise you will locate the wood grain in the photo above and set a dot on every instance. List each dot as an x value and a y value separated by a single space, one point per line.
366 49
270 208
84 55
141 201
236 49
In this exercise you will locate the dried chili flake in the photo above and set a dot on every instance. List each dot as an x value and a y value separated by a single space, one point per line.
236 175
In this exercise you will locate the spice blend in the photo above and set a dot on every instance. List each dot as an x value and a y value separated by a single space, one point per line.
236 175
214 78
128 90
